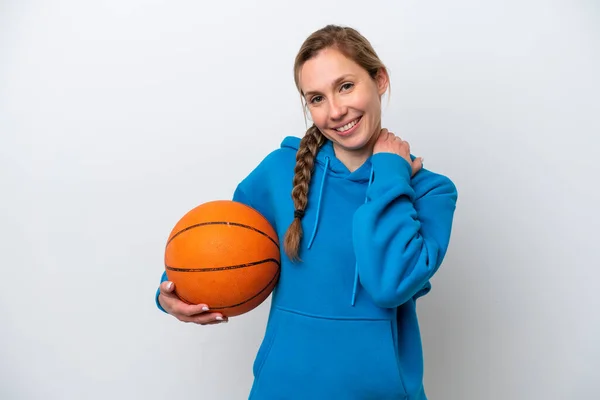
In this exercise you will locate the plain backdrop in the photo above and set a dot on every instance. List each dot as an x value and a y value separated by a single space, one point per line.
117 117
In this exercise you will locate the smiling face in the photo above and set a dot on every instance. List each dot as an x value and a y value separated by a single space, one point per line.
344 102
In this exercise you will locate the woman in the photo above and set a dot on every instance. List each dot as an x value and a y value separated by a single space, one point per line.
364 230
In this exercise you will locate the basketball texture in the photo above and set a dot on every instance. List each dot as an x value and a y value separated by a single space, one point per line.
224 254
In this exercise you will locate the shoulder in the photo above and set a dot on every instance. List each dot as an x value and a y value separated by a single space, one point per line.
427 183
280 159
286 152
269 182
274 166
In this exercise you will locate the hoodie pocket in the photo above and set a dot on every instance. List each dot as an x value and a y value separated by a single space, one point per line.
307 357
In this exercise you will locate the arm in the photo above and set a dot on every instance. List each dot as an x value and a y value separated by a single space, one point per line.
402 233
162 279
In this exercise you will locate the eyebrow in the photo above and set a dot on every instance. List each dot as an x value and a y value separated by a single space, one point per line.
335 83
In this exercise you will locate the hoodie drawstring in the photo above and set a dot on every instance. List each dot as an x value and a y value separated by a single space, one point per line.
355 287
316 224
314 232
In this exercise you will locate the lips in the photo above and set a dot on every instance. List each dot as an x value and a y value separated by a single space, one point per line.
349 127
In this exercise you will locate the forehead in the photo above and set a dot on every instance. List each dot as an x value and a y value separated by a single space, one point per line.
318 73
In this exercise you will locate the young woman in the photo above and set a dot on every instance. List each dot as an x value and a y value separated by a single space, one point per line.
364 229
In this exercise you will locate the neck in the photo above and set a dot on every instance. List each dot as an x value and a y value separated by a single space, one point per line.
353 159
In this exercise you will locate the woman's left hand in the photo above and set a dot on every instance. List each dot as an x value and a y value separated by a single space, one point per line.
387 142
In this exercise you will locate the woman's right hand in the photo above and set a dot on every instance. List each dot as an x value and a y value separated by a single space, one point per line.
196 313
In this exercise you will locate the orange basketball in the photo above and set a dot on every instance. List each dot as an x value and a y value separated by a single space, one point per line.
223 254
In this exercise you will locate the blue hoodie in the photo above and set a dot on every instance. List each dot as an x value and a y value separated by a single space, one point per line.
343 322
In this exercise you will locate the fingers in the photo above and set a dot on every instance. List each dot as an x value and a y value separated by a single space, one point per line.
387 135
206 318
399 139
417 164
198 314
187 311
389 142
191 310
213 319
383 135
194 313
167 288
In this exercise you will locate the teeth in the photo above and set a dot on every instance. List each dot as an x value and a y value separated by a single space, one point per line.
347 126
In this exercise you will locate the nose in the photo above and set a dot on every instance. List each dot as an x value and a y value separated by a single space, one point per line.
337 109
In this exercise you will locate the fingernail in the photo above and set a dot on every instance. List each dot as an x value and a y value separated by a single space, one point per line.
169 285
219 318
204 308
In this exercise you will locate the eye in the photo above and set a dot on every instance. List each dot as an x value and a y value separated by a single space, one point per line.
347 86
316 99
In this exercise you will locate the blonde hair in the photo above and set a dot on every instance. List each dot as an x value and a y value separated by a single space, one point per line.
356 47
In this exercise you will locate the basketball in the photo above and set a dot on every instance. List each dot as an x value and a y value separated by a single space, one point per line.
224 254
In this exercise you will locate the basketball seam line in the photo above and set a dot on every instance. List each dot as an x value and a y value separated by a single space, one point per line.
246 265
275 277
223 223
251 298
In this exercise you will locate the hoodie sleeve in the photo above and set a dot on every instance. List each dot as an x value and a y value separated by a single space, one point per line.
402 233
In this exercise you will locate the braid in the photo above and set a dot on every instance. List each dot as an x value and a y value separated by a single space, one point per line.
305 160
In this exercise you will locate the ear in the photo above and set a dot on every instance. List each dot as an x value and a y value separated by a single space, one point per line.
383 81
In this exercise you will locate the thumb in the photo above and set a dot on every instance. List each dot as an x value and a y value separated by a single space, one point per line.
167 287
417 164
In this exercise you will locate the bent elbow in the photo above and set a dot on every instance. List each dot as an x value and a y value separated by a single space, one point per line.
387 297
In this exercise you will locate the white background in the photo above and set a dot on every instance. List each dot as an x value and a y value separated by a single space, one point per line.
116 117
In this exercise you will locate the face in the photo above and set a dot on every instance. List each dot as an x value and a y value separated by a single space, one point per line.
344 102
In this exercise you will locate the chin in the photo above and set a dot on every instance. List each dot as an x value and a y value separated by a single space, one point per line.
355 141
